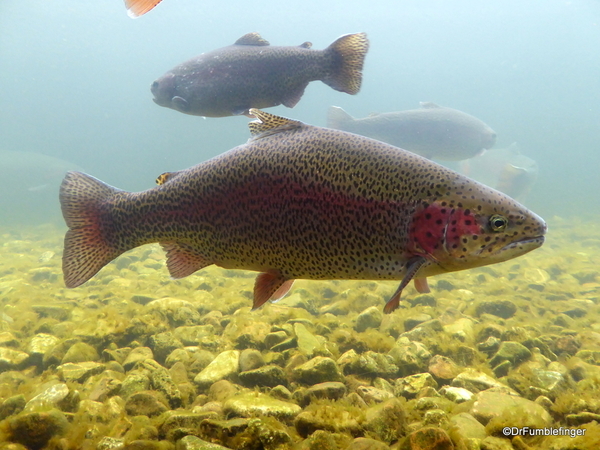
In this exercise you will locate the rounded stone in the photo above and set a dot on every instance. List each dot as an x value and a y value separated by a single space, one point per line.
317 370
250 359
428 438
135 355
511 351
80 352
369 318
225 365
269 376
251 404
501 308
144 404
35 429
443 367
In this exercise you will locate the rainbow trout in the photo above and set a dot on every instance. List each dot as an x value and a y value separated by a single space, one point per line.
432 131
253 74
301 202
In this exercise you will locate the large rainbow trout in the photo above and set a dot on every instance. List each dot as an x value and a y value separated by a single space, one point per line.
301 202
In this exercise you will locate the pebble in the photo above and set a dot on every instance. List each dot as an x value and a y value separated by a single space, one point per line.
513 352
416 320
11 359
501 308
412 385
493 404
269 375
367 444
162 344
195 443
51 396
274 338
12 405
224 366
386 420
35 429
145 403
429 438
317 370
252 404
369 318
443 368
193 334
136 355
251 359
456 394
79 372
371 394
80 352
475 381
307 342
309 421
7 339
175 425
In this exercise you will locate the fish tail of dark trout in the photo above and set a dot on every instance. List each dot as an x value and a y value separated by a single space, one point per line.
86 249
348 53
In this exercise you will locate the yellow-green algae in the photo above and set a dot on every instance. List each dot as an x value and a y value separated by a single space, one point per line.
556 291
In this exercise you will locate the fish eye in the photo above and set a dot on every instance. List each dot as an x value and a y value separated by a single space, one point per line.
498 222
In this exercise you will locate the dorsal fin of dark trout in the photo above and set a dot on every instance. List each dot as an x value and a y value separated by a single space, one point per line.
268 124
252 39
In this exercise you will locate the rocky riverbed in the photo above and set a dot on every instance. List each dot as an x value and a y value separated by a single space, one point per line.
135 360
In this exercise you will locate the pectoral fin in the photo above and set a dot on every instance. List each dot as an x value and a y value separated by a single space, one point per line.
412 267
180 104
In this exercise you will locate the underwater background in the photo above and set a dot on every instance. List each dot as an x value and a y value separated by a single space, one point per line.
75 90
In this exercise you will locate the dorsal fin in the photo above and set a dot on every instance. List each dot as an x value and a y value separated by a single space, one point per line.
252 39
306 44
270 123
429 105
164 177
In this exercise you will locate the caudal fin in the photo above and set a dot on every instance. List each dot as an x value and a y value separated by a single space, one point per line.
136 8
339 119
349 53
86 249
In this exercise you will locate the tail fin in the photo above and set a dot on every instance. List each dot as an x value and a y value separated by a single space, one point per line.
339 119
349 56
87 249
136 8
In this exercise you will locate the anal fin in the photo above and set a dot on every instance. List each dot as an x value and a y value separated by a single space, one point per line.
293 97
183 260
421 285
271 285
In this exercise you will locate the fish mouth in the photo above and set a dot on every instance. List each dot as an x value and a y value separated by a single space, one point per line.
521 246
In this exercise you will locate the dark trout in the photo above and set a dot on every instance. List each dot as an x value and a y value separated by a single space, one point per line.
432 131
253 74
301 202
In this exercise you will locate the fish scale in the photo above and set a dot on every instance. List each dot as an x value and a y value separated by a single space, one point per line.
301 202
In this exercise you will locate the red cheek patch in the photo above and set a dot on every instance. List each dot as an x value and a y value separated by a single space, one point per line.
461 223
435 224
428 228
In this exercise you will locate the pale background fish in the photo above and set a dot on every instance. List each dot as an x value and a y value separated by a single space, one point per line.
29 184
506 169
75 77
